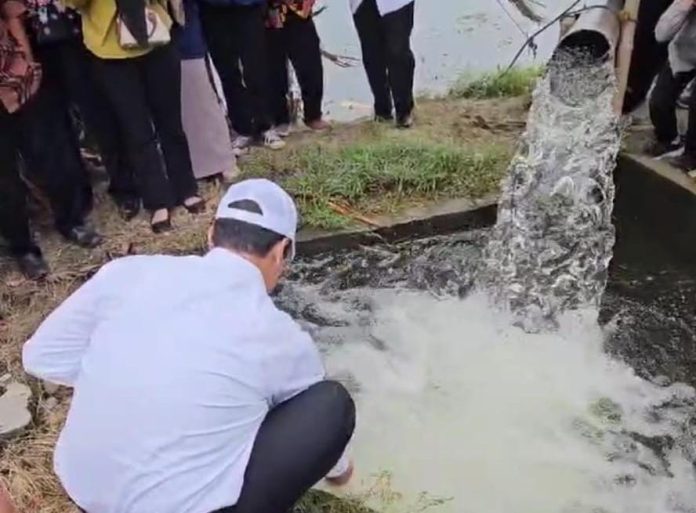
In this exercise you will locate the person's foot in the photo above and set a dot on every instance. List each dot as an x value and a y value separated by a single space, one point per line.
657 148
194 205
283 130
272 140
161 221
241 144
128 208
230 176
685 162
33 266
382 118
83 236
404 121
319 125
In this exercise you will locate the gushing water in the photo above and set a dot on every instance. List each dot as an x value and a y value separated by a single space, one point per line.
551 246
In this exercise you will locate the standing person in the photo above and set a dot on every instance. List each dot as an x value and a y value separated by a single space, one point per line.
226 408
236 36
292 36
678 27
57 38
202 112
139 71
27 119
384 28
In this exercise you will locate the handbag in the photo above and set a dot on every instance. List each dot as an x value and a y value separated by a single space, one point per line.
157 32
50 22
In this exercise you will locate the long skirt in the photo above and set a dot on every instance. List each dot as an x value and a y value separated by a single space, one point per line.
203 115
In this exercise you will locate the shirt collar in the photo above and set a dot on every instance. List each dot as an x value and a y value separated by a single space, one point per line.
235 266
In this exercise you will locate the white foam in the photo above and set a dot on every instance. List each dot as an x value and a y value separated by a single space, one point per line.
464 407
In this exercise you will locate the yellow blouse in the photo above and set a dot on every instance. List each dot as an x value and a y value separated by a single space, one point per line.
99 27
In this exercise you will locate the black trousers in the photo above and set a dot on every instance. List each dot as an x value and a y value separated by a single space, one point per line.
69 64
297 42
41 133
236 37
663 103
145 94
387 56
14 218
298 444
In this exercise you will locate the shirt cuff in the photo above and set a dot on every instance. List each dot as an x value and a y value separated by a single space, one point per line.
341 467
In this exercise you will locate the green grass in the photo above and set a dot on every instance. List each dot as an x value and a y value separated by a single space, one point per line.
497 84
370 175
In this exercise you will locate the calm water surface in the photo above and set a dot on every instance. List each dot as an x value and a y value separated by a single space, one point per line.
451 37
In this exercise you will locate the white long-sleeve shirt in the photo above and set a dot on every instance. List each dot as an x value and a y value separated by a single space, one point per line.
384 6
678 27
175 362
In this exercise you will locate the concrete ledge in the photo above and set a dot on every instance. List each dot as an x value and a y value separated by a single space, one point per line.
448 217
660 168
650 198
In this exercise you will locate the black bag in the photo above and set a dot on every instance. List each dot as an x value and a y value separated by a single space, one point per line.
50 22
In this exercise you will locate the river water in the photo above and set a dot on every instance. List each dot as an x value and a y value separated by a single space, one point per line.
451 37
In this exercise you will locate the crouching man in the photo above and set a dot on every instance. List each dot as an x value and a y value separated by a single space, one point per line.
193 393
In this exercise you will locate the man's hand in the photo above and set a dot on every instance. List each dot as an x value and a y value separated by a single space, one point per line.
344 478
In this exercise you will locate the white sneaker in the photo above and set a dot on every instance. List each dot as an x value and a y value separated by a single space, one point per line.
241 144
272 140
283 130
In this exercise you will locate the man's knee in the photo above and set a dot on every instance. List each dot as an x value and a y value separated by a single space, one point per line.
335 402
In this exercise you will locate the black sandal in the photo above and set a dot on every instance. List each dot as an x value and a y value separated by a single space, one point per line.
161 226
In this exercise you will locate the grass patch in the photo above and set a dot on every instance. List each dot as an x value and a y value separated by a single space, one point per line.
498 84
367 176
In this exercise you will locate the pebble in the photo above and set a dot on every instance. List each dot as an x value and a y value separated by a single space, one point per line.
50 388
14 409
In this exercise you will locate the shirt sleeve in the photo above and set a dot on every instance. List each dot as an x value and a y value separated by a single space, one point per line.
297 364
672 20
54 353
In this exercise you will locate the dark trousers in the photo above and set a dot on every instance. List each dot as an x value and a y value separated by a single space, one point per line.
236 37
42 134
14 218
298 444
387 56
145 94
297 42
663 103
69 64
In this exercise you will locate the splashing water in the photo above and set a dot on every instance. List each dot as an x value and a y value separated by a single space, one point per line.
460 410
551 246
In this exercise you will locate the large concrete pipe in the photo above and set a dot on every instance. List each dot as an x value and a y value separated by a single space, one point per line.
593 39
596 33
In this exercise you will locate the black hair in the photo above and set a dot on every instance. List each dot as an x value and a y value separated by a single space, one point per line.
246 237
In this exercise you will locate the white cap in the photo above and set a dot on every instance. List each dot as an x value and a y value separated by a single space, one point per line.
278 210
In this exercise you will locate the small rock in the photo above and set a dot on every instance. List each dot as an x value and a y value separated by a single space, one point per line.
50 404
14 409
5 379
50 388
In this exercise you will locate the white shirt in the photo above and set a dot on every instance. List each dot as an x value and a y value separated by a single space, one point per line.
384 6
175 362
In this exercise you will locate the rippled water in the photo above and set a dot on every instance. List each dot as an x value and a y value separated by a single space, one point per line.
551 246
459 411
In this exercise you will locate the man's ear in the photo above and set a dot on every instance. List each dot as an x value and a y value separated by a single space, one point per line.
279 251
